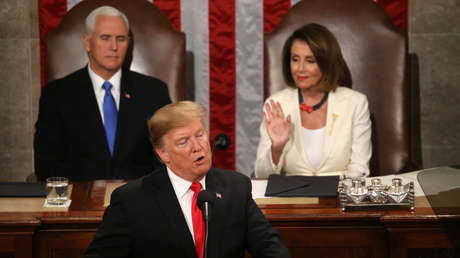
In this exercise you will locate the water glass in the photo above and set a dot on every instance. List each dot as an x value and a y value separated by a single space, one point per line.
57 190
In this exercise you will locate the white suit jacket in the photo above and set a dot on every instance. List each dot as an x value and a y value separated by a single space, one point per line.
347 147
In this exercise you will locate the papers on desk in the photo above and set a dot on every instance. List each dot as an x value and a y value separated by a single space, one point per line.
64 205
258 194
31 204
259 187
109 188
302 186
22 189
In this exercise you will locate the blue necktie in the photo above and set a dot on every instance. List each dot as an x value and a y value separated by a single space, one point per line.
110 116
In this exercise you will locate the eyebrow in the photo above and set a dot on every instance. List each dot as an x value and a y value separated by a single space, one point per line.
110 35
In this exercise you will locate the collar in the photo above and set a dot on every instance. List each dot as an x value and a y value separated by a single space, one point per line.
180 185
98 80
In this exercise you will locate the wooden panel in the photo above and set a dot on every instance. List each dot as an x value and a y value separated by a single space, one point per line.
313 230
336 241
62 244
18 245
419 240
16 235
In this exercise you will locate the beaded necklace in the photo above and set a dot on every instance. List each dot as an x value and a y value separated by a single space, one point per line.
310 109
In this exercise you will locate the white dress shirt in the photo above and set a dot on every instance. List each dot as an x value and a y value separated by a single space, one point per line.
185 195
99 92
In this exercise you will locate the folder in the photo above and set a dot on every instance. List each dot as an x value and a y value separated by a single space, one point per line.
302 186
22 189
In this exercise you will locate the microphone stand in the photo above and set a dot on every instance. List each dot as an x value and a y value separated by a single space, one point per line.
206 220
204 201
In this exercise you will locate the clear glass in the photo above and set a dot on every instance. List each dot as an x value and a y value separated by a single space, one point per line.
57 190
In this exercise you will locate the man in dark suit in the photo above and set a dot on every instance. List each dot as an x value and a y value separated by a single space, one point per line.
92 123
155 216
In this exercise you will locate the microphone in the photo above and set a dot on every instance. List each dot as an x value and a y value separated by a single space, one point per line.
204 199
221 141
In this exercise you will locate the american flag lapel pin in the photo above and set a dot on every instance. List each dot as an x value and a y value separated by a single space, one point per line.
218 196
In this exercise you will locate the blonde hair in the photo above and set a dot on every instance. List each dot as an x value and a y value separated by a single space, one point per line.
171 116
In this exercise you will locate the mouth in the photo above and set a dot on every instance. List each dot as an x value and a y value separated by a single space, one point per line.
302 78
200 160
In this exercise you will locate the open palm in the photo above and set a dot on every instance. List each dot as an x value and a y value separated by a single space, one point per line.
278 128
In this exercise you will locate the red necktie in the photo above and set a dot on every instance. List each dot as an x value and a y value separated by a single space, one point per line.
198 222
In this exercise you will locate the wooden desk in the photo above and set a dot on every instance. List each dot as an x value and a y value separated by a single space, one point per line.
314 230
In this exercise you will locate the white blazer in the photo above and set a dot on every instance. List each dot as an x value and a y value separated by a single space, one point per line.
347 148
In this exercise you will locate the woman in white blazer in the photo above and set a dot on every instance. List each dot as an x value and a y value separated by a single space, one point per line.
314 126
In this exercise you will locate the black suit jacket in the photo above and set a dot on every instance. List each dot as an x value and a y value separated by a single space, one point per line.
145 219
70 137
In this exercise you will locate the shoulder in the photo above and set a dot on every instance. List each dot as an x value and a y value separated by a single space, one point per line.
66 83
286 95
145 88
138 77
229 177
129 189
350 94
156 179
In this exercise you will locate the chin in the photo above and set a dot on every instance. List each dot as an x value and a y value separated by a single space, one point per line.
205 168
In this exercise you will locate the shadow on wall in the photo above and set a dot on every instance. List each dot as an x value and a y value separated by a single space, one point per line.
415 131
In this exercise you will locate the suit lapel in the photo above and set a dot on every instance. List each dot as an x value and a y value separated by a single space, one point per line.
123 111
333 115
88 104
216 215
166 198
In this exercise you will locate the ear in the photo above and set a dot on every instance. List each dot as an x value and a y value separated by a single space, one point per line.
162 154
85 40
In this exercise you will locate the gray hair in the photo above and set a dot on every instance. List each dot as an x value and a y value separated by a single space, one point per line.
104 10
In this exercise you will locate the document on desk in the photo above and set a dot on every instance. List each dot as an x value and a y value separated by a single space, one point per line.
302 186
109 188
22 189
259 187
30 204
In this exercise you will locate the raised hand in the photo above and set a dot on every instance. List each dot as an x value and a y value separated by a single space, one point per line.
278 128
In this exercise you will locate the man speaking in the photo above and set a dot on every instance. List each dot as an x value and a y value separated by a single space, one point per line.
158 216
92 123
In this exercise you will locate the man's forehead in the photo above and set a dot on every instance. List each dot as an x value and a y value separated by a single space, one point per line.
109 22
184 131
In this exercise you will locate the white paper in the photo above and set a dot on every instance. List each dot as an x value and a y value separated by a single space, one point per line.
258 188
65 205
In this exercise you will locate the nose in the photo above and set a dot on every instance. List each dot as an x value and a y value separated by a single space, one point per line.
196 145
303 66
114 44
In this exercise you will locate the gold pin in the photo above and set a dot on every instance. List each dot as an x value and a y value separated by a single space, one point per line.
334 117
127 95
